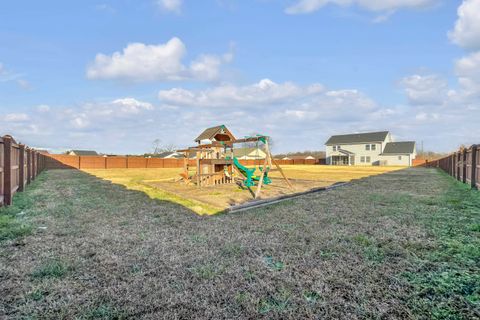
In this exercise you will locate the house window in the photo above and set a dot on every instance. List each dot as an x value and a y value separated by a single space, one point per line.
362 159
367 147
335 148
368 159
399 157
374 147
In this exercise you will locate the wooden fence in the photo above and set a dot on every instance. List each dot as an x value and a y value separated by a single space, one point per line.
19 165
99 162
464 165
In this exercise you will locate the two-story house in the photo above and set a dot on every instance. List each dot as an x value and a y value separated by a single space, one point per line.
371 148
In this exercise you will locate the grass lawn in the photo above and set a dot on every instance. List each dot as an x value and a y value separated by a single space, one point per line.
402 245
161 184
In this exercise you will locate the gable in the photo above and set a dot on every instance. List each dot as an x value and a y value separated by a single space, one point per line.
218 133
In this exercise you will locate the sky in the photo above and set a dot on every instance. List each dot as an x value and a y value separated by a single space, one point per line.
114 76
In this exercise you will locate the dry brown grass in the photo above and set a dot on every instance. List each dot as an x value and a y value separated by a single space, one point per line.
333 173
107 252
161 184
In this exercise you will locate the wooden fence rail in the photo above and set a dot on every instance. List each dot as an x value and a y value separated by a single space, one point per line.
55 161
19 165
463 165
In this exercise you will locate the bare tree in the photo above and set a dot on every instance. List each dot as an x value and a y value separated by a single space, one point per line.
156 146
168 148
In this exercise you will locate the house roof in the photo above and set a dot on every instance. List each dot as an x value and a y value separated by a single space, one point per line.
219 133
357 138
241 152
349 153
300 157
403 147
85 152
171 154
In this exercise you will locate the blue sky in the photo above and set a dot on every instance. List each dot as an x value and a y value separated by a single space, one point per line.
116 75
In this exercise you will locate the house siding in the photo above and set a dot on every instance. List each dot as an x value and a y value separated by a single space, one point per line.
393 160
376 158
360 151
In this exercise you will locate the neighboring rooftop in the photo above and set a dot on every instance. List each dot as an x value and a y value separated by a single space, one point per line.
299 157
241 152
218 133
169 154
358 138
404 147
84 152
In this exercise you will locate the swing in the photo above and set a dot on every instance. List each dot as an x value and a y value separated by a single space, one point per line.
251 179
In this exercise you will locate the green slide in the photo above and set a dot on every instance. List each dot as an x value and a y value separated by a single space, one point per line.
249 174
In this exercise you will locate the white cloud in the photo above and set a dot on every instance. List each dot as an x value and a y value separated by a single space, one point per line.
80 121
206 67
163 62
141 62
296 116
425 89
467 27
131 105
108 111
263 92
16 117
468 71
170 5
308 6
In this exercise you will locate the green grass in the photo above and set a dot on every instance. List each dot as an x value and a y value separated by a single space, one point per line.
446 283
404 245
103 312
53 268
277 302
206 271
14 219
12 228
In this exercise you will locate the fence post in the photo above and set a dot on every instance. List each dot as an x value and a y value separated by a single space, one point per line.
34 165
7 170
473 171
452 165
464 165
29 165
37 155
21 167
457 167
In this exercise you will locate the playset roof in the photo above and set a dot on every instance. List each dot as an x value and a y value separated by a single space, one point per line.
218 133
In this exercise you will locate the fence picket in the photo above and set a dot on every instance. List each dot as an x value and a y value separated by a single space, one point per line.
18 167
463 165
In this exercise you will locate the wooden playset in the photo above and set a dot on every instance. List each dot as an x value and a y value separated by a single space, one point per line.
216 163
